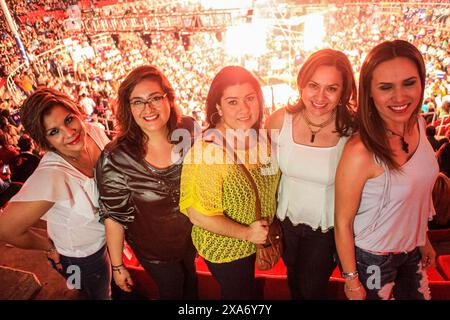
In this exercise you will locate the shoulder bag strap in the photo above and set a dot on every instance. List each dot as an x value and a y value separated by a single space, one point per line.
248 176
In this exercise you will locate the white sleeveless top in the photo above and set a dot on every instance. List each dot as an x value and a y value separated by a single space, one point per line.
395 206
306 191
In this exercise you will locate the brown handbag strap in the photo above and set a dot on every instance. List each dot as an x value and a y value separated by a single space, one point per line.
249 177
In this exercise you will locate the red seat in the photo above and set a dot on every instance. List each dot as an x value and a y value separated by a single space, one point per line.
443 264
434 275
272 284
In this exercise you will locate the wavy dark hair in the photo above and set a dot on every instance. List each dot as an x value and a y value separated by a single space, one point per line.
345 110
40 104
129 131
230 76
371 127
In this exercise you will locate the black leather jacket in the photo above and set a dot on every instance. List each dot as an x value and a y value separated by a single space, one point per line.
145 200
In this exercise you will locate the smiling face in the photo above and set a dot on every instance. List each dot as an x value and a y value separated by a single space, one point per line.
64 131
396 90
239 107
322 92
154 115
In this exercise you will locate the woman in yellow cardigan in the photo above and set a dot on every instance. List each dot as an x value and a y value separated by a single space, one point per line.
215 193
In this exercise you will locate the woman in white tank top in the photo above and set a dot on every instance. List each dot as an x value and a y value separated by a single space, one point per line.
384 181
312 136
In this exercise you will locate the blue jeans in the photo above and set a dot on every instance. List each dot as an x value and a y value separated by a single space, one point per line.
310 258
94 276
400 275
236 278
176 280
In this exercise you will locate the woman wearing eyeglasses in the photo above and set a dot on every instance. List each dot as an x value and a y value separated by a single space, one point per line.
138 177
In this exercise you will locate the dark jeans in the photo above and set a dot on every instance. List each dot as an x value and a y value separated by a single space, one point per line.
310 258
236 278
176 280
398 274
91 274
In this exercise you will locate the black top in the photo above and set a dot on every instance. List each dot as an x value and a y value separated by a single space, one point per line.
145 200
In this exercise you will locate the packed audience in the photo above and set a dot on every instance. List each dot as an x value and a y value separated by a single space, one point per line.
90 69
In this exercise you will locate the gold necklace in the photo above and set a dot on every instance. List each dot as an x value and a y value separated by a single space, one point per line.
77 160
321 125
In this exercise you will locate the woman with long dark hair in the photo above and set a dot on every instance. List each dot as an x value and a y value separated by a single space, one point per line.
384 181
138 177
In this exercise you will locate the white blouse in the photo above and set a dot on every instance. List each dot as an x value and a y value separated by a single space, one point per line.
306 191
73 221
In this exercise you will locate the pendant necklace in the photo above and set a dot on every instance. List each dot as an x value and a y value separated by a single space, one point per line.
405 145
320 126
77 160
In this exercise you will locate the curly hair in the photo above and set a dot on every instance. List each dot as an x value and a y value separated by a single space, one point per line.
129 131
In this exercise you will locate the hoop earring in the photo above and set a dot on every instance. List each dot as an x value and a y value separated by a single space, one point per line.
211 118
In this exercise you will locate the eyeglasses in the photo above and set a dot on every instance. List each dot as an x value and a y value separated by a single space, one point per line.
154 101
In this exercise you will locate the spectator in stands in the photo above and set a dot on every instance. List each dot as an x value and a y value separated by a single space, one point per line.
317 127
10 131
444 111
95 122
62 191
24 164
7 188
441 201
443 157
384 181
139 184
11 120
217 196
87 104
7 151
431 136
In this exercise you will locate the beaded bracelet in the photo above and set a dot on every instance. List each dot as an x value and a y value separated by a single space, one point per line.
117 268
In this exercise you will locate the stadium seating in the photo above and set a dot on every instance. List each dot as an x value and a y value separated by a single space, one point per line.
272 284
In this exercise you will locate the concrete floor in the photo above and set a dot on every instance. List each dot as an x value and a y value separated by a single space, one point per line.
53 284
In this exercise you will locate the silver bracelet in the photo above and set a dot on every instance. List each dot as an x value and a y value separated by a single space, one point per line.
353 289
350 275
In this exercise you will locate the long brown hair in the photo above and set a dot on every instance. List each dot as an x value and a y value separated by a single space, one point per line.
129 131
345 108
372 128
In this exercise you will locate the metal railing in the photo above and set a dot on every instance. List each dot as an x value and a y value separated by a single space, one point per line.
215 20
